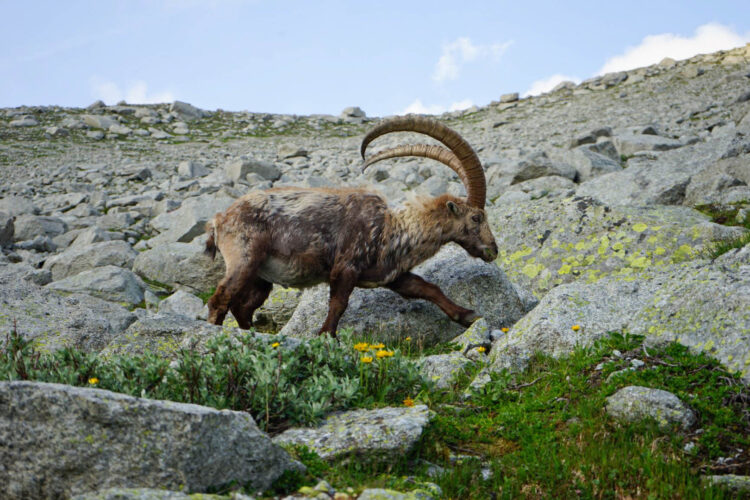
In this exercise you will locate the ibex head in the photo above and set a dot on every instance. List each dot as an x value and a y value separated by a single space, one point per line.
465 220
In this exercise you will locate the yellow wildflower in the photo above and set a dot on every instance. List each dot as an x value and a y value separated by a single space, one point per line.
384 354
408 339
575 328
362 347
377 346
367 359
275 345
93 381
408 402
481 348
504 329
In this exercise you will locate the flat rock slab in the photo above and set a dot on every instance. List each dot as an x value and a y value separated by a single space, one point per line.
78 259
634 403
380 434
60 440
110 283
146 494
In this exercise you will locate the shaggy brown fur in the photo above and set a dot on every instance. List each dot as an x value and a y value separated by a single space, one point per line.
346 237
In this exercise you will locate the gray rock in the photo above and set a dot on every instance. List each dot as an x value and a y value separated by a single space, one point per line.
371 435
89 236
443 369
352 114
7 229
277 309
54 321
191 169
183 303
96 135
386 494
120 129
88 439
238 169
108 282
61 202
24 121
186 111
634 403
658 303
180 265
188 221
38 244
159 134
99 121
630 144
142 494
18 205
57 131
512 97
539 165
28 227
726 181
589 163
77 259
469 282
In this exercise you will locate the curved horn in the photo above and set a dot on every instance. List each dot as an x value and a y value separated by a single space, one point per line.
439 153
471 171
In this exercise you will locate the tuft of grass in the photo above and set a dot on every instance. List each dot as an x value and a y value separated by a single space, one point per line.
725 215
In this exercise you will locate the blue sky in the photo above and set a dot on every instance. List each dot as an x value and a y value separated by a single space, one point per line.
320 56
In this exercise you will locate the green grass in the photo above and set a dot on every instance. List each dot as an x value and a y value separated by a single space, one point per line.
726 215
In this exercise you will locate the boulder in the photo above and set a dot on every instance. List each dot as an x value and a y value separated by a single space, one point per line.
99 121
191 169
659 303
7 229
111 283
182 303
145 494
589 161
77 259
18 205
364 435
62 440
28 227
239 169
443 369
180 265
635 403
277 309
630 144
547 242
539 165
186 111
726 181
469 282
188 221
54 321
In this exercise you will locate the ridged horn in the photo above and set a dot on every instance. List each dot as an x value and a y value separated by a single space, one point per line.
470 170
439 153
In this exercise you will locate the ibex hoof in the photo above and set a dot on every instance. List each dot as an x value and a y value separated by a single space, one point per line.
468 318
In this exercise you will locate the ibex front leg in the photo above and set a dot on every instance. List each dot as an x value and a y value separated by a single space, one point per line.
342 284
411 286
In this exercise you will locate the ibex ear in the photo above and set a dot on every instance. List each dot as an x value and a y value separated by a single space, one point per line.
452 207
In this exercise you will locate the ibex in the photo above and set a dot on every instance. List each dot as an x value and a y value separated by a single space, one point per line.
350 237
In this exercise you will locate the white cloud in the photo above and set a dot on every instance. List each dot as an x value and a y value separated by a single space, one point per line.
417 107
136 93
653 48
547 84
461 51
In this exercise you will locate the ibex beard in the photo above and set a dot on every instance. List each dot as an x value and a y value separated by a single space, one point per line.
350 237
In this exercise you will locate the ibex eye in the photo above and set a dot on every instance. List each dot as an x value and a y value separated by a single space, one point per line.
476 218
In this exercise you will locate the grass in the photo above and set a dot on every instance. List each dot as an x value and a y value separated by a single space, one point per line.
726 215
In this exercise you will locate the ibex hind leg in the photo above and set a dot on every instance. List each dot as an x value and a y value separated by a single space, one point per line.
250 298
242 269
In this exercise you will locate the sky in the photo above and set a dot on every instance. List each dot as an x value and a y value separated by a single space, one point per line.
321 56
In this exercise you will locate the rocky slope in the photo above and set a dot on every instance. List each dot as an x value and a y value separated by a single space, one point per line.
592 195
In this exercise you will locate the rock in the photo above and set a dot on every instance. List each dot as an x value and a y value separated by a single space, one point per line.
7 229
144 494
658 303
54 321
183 303
77 259
386 494
726 181
61 202
539 165
99 121
469 282
159 134
478 334
180 265
634 403
353 114
57 132
89 236
96 135
162 334
512 97
17 205
88 439
739 485
364 435
239 169
191 169
287 150
186 111
108 282
39 244
120 129
28 227
277 309
590 163
630 144
188 221
443 369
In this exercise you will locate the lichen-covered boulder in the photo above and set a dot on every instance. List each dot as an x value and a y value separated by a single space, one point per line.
61 440
701 304
443 369
182 303
634 403
548 242
469 282
146 494
369 435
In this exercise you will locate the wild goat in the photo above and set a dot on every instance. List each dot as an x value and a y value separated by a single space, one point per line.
350 237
